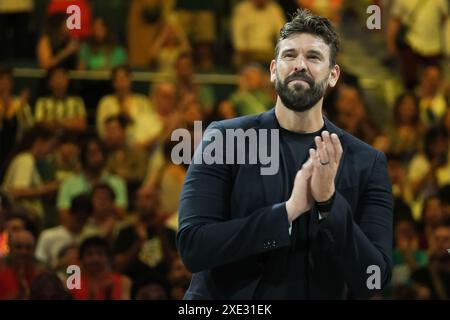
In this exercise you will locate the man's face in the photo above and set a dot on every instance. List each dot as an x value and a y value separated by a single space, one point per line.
147 202
302 72
95 158
184 69
122 81
439 243
114 134
22 247
59 82
95 259
103 202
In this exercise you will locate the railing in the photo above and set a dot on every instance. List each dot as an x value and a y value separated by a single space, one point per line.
139 76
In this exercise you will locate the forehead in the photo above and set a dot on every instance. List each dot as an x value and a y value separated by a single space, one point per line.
304 42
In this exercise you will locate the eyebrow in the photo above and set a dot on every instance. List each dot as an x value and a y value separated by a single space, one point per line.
311 51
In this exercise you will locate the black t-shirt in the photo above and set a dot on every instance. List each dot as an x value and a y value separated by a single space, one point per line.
150 258
286 275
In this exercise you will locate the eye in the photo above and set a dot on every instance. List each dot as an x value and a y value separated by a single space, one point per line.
314 57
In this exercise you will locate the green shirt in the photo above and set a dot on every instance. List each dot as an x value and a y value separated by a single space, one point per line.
78 184
102 59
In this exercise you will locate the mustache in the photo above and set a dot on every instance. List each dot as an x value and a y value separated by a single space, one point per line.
300 76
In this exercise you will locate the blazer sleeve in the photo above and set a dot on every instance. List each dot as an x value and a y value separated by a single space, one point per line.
356 245
209 235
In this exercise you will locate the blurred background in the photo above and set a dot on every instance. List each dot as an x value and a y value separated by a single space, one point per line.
86 117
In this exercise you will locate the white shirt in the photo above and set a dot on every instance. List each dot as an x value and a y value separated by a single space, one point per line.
425 35
146 123
256 29
51 242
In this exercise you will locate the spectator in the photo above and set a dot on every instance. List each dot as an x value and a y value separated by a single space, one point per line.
65 160
351 114
51 241
101 51
128 163
47 286
147 245
407 129
93 161
198 20
61 109
431 169
97 281
432 216
150 287
251 98
432 102
144 128
145 18
436 277
421 45
179 279
19 268
5 208
397 172
184 68
67 256
168 45
255 28
15 114
55 47
22 179
407 255
104 220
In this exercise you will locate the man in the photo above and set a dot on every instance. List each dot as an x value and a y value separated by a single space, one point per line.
146 246
93 162
434 279
51 241
313 233
19 268
59 108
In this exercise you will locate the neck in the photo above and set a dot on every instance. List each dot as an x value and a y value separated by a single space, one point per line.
122 94
93 174
59 95
301 122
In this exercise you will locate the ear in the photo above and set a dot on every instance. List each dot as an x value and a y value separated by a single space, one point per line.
334 75
273 71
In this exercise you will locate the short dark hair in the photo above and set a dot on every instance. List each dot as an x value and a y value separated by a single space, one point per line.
81 204
54 70
94 241
123 67
303 21
122 120
106 187
86 141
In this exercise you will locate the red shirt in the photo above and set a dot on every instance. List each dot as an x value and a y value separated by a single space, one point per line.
13 287
110 288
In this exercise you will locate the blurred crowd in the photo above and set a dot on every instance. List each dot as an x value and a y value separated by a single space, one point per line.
85 166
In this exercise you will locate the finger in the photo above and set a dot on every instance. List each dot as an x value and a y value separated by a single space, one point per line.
314 156
323 155
329 146
337 146
307 168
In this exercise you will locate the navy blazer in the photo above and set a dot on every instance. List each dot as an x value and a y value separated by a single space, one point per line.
230 215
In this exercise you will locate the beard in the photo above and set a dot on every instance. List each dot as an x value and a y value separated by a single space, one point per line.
300 98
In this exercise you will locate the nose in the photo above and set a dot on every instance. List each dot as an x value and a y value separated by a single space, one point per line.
300 64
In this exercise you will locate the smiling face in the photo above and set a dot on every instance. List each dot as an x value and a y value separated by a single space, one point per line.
302 71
